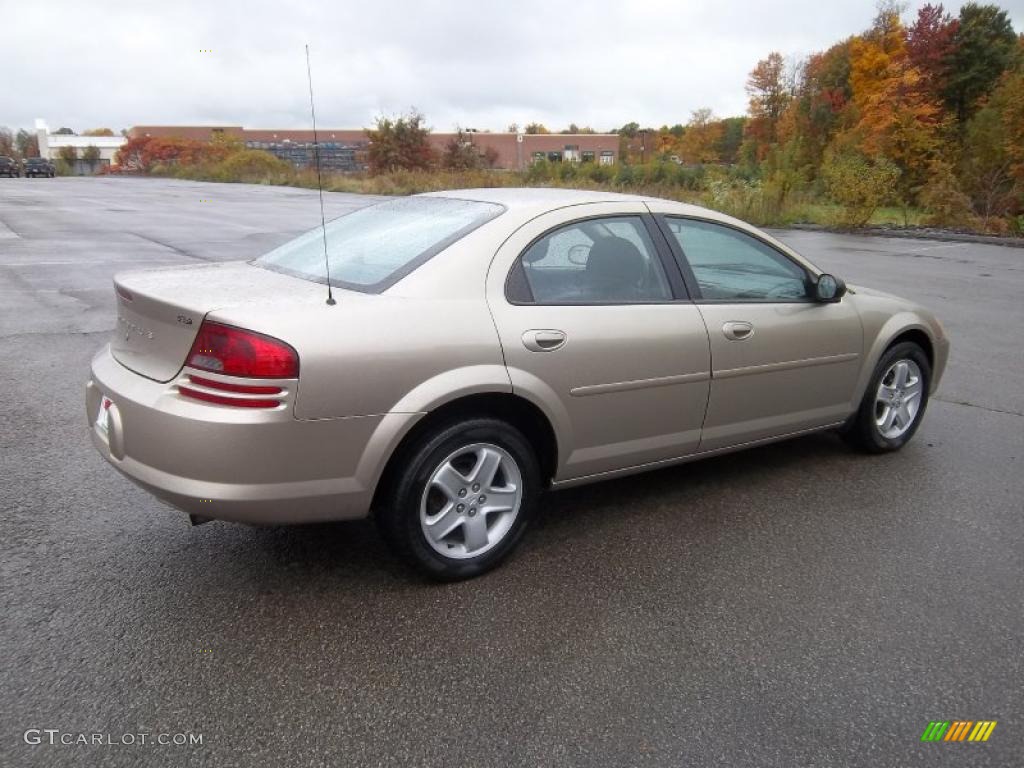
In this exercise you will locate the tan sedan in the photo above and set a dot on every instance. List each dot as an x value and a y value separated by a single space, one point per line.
481 346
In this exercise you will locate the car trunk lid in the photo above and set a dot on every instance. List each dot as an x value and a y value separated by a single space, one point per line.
159 311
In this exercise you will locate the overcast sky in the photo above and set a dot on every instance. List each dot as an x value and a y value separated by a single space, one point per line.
480 64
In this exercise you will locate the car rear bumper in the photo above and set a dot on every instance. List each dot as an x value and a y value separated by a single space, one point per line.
227 463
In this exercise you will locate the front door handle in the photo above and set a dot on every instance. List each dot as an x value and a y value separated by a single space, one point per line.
738 330
545 340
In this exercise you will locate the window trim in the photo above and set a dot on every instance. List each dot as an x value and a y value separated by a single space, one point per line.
683 263
662 250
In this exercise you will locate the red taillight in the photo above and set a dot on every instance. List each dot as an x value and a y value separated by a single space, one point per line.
225 349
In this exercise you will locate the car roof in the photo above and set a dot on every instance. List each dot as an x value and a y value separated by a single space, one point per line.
519 198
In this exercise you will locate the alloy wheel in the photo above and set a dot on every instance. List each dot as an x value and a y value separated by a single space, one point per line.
898 399
471 501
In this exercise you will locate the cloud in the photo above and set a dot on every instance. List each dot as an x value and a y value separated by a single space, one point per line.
482 65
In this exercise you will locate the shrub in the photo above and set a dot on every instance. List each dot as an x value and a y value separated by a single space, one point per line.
597 173
252 165
539 171
402 143
946 203
625 176
859 185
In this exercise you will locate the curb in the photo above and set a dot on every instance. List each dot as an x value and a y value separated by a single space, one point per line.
912 234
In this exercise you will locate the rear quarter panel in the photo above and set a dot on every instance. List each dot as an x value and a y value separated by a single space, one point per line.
383 354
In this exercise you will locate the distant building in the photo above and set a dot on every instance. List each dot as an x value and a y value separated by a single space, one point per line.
50 145
345 149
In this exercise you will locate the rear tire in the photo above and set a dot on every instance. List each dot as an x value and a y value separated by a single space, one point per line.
460 498
894 402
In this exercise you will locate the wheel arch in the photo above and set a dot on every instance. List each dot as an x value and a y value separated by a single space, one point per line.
518 411
917 336
899 328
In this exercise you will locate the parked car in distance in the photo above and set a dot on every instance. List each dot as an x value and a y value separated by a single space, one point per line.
9 166
481 347
39 166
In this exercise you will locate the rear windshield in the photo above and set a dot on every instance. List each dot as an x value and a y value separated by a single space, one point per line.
374 247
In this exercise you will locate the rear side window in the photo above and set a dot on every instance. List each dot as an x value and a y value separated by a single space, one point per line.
595 261
374 247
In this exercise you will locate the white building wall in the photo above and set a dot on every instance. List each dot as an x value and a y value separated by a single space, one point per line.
50 143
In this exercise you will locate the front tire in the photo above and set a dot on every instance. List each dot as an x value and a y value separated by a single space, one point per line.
460 498
894 402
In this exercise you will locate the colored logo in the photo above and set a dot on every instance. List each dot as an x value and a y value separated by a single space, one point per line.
958 730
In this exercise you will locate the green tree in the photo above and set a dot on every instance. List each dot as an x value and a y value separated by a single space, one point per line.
992 136
401 143
727 147
27 143
68 154
91 155
984 47
64 132
629 130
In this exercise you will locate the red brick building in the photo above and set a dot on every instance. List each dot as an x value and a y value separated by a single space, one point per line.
341 149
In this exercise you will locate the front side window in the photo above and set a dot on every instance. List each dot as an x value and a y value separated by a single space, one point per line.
730 265
595 261
374 247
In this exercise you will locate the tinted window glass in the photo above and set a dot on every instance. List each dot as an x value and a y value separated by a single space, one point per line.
372 247
731 265
597 261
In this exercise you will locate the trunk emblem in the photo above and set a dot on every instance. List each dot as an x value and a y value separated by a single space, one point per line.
130 327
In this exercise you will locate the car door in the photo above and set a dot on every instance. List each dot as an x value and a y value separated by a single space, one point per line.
596 328
782 362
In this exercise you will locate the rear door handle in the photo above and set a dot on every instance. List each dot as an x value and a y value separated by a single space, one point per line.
545 340
738 330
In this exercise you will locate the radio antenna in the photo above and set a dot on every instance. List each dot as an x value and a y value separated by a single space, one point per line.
319 183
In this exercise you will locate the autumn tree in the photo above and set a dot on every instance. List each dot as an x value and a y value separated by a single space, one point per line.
897 120
984 45
401 143
699 142
460 154
820 107
534 128
6 142
769 96
931 43
98 132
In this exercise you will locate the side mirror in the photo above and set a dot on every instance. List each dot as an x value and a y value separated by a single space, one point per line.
829 288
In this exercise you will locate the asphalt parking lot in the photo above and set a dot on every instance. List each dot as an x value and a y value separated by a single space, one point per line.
794 605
